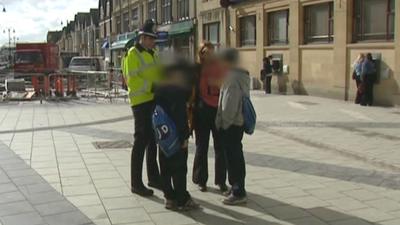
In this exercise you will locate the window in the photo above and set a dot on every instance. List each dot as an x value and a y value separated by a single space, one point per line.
152 8
135 14
166 11
118 24
183 9
318 27
126 22
247 31
278 24
211 32
374 20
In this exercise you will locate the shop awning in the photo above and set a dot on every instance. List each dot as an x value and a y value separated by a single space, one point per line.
119 44
122 40
181 28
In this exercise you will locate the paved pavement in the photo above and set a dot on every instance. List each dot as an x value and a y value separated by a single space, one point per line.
312 161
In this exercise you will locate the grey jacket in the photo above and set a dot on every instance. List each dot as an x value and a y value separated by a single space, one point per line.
230 102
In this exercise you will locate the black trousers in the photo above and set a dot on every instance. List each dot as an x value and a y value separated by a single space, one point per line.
174 176
359 90
368 95
204 120
267 86
233 149
144 140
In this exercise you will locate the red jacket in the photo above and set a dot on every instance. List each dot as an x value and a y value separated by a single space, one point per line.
211 76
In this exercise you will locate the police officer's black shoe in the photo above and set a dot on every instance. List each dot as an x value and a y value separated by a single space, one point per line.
143 191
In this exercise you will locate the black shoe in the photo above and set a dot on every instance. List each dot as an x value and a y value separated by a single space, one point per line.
171 205
233 200
156 185
202 188
143 191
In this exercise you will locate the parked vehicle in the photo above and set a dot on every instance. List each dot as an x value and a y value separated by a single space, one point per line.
82 64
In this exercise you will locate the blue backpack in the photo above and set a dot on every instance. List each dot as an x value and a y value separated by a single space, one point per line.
165 132
249 116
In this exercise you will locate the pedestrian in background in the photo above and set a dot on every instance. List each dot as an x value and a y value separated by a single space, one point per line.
230 122
142 71
172 95
357 69
267 69
368 78
210 77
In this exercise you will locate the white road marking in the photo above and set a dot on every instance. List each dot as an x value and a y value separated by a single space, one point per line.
356 115
297 105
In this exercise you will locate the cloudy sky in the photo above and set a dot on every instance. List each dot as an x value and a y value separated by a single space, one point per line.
31 19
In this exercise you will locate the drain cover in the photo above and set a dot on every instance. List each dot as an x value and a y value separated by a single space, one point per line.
112 144
307 103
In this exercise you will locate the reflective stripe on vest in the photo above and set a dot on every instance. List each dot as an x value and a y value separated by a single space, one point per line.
141 91
143 65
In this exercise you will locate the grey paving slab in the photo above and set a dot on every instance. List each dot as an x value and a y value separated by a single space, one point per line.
317 165
29 200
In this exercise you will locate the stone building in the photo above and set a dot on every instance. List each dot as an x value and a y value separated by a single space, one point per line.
317 40
175 17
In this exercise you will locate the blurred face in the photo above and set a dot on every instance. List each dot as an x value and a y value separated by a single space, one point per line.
148 42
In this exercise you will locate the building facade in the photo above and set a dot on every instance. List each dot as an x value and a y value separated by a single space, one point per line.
317 41
175 17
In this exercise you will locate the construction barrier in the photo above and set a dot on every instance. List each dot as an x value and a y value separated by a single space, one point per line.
76 84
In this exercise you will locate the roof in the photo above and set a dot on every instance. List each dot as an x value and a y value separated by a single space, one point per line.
53 36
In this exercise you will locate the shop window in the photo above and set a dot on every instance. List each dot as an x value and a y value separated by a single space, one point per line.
247 31
318 27
374 20
126 22
118 24
183 9
166 11
135 14
152 10
211 33
278 24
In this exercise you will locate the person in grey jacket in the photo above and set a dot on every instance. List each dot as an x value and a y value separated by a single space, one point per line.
229 121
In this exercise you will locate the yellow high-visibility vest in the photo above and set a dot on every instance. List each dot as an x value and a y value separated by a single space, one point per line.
141 70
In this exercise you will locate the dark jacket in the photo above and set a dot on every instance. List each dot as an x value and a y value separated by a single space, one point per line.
173 100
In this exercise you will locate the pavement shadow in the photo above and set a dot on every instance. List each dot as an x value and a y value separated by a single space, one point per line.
351 174
356 175
262 206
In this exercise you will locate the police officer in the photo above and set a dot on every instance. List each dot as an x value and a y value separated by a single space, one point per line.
142 71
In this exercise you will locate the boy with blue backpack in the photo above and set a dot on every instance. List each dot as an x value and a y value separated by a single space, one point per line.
235 116
170 123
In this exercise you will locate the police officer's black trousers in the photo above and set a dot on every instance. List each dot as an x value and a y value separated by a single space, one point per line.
233 149
174 176
144 140
204 124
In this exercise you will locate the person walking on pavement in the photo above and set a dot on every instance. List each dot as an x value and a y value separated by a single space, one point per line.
210 77
142 71
368 78
357 69
267 68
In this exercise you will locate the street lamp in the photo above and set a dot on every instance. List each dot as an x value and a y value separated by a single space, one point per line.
10 30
